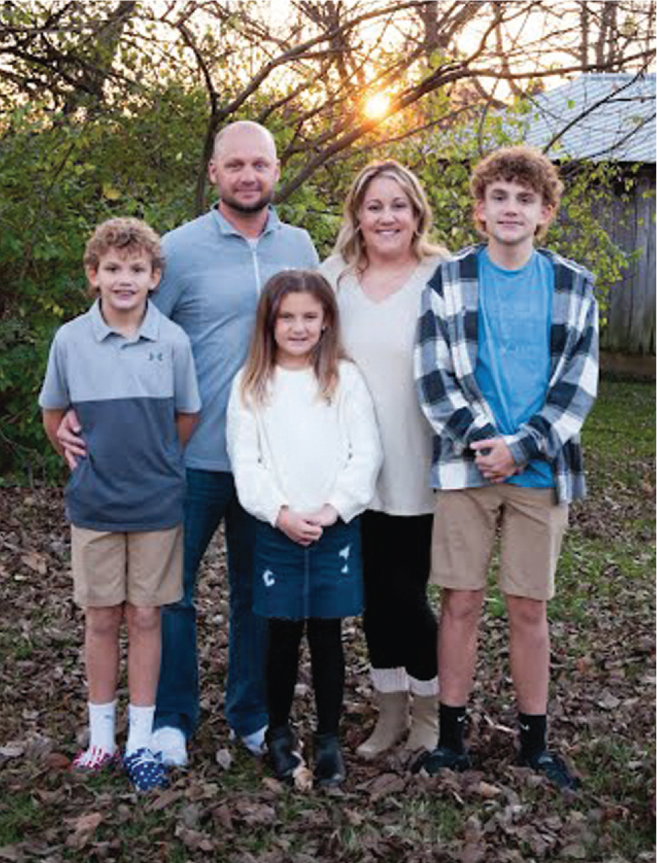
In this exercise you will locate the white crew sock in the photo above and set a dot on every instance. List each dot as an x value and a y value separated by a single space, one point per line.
140 728
102 722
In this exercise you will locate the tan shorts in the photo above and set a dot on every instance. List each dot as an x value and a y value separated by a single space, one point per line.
143 568
531 526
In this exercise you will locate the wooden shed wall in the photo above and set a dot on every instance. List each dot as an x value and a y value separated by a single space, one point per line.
630 326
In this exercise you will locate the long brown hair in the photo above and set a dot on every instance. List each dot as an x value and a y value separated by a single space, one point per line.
261 361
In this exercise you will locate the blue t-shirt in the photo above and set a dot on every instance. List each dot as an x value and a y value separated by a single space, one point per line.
513 363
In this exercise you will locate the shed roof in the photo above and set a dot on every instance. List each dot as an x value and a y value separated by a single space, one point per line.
613 117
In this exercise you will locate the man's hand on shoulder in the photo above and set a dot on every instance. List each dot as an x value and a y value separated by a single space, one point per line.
494 459
70 439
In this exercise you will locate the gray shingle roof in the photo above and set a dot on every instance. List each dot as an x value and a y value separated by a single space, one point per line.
613 114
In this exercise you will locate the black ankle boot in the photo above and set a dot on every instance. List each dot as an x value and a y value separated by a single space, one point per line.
329 763
282 752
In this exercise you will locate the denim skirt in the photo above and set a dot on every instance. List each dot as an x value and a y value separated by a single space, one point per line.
295 582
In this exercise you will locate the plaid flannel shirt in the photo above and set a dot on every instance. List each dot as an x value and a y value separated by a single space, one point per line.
445 361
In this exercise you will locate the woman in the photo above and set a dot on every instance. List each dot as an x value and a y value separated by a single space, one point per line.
381 262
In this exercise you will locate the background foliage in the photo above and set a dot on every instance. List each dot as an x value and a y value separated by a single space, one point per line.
110 108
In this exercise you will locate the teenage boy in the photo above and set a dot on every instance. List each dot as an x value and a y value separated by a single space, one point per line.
128 372
506 367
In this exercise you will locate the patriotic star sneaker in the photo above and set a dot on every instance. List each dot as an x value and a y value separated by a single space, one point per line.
145 770
94 760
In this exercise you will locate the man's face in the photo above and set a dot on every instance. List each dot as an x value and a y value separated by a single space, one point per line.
512 212
244 169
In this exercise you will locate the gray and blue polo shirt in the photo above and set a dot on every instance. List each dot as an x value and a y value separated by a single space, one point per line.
126 393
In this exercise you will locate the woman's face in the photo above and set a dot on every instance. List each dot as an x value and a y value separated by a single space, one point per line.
387 220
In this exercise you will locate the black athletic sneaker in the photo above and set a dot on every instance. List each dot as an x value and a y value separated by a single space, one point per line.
442 758
552 766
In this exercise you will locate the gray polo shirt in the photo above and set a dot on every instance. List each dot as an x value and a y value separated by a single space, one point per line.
126 393
212 281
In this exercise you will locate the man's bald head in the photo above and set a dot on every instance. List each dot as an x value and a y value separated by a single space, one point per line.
244 130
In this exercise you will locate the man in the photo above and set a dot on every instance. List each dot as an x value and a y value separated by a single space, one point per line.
215 267
506 365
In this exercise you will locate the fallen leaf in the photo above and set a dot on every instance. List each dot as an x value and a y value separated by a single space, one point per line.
35 561
272 784
12 750
194 839
608 701
574 851
164 800
303 778
488 791
222 815
386 784
58 761
223 758
83 829
473 852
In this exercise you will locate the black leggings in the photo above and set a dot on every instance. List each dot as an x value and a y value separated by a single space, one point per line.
327 663
400 627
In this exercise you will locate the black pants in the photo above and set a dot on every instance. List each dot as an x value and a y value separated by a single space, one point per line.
400 627
327 663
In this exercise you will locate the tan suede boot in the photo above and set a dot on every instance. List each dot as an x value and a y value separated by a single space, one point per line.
424 723
391 725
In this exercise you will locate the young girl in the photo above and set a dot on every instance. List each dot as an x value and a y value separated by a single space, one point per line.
305 452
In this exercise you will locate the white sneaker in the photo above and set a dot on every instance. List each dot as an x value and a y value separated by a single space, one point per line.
254 742
171 745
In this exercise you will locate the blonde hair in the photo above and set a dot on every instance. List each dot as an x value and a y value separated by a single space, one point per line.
350 244
524 165
325 356
126 235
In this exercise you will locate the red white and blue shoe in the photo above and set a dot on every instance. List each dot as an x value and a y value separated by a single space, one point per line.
145 770
94 760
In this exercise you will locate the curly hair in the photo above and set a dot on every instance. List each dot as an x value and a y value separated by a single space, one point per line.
524 165
126 235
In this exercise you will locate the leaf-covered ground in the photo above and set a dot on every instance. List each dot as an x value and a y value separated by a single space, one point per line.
227 807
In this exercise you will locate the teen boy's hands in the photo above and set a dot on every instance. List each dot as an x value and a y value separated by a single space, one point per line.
494 459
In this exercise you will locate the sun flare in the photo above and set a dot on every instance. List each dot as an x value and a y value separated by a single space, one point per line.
376 106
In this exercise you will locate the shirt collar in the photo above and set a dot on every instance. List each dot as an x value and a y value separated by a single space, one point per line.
149 329
272 224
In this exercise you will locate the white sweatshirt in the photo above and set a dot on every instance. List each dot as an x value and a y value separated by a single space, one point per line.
297 450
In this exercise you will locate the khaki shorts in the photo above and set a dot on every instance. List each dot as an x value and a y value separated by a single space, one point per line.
531 527
143 568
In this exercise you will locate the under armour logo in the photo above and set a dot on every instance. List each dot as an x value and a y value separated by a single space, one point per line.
155 356
268 578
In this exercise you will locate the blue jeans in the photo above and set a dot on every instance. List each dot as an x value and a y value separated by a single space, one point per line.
211 497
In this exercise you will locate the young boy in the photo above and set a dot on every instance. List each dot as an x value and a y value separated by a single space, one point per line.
129 374
506 367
